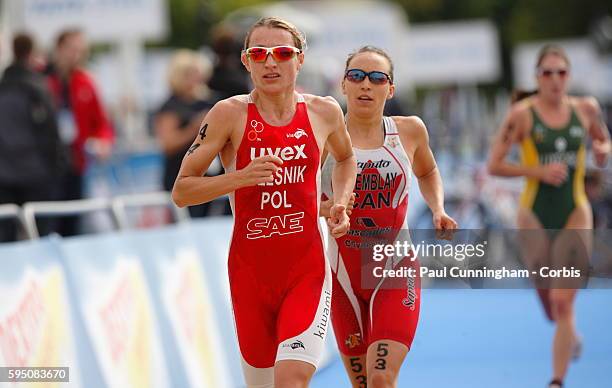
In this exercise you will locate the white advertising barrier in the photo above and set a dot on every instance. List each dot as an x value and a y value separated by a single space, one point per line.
117 309
36 327
212 239
151 308
186 270
188 309
102 20
455 53
185 302
589 73
213 236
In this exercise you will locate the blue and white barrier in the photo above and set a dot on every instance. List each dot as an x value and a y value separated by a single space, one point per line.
141 308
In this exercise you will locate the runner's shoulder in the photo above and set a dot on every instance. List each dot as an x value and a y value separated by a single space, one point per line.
411 127
323 106
229 110
587 105
231 105
519 115
522 108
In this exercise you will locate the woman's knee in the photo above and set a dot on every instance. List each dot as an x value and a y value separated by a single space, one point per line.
562 305
381 379
294 375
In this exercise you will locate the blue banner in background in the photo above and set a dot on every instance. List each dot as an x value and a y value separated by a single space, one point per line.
188 308
36 318
116 307
213 237
142 308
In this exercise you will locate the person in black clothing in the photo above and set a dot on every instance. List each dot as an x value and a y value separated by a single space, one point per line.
178 120
229 77
31 155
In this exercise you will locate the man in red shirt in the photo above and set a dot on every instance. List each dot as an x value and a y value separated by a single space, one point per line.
81 116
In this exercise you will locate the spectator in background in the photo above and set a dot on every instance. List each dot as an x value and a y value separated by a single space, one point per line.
82 120
229 76
178 120
31 154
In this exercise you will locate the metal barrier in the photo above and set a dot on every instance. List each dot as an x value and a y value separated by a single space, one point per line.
116 207
12 211
62 208
161 198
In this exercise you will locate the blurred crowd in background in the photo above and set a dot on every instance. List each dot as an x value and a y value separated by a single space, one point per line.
101 98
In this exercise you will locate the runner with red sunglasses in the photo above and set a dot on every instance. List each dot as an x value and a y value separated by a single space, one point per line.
374 326
270 142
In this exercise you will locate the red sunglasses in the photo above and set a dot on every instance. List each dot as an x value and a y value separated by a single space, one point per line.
279 53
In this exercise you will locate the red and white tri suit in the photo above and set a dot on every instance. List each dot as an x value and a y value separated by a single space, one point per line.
279 278
389 309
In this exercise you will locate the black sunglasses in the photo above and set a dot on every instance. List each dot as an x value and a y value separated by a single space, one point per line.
375 77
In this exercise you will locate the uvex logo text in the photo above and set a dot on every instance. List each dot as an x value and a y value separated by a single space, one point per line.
285 153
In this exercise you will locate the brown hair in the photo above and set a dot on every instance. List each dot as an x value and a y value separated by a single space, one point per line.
370 49
552 49
299 40
64 35
23 45
519 94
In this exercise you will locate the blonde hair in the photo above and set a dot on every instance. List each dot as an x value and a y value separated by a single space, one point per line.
552 49
183 61
299 39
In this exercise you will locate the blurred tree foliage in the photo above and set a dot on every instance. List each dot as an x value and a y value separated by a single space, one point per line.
192 20
517 20
520 20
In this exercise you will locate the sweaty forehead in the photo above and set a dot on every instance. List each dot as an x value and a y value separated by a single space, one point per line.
269 37
370 61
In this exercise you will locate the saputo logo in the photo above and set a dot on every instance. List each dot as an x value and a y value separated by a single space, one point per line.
411 296
377 164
